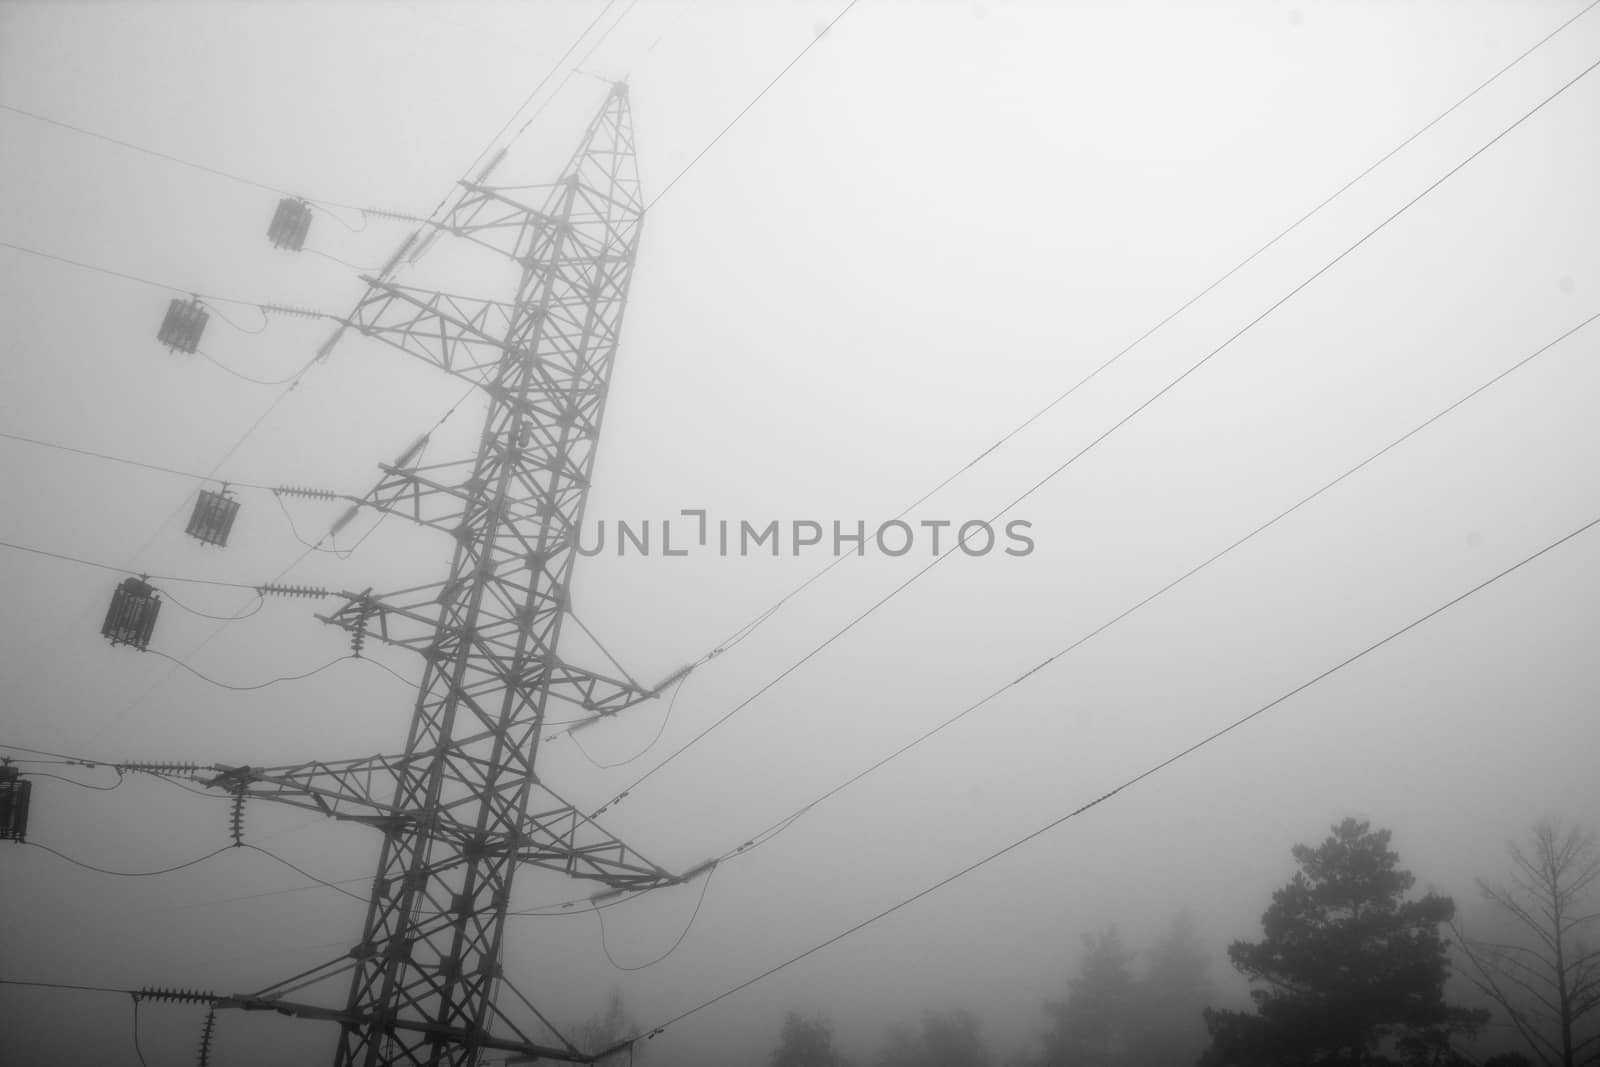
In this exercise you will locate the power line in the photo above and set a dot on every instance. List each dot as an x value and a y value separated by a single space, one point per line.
1124 786
297 378
242 376
255 609
201 859
323 202
745 110
601 919
271 681
789 820
666 717
55 755
131 146
128 277
535 90
123 570
138 1049
120 459
315 883
70 986
335 886
310 548
751 626
86 785
1124 420
237 444
131 874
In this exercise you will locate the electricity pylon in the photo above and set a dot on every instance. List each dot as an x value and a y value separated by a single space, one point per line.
462 807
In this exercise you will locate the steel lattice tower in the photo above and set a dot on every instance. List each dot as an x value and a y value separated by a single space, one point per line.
462 807
436 918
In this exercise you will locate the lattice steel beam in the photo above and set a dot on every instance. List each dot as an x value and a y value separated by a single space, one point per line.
461 808
467 809
551 833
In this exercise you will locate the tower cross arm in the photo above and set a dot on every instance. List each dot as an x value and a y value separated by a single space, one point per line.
407 619
465 336
552 834
352 790
434 496
439 1032
485 215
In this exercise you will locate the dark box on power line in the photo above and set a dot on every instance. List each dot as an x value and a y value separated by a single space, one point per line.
290 224
131 619
184 323
213 517
14 793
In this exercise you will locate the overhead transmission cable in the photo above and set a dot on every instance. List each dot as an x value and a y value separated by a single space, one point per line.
258 685
123 570
788 820
131 146
784 823
1120 788
327 347
290 387
201 859
757 621
121 459
86 785
242 376
140 279
322 202
1124 420
131 874
576 41
293 382
309 549
695 914
687 167
661 728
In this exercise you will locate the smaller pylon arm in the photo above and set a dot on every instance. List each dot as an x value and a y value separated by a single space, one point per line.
557 836
475 1039
552 834
409 619
599 693
434 496
365 615
484 215
355 790
417 493
462 335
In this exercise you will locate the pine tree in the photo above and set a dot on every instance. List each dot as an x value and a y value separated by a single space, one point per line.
1091 1026
946 1039
806 1042
1350 971
1168 1028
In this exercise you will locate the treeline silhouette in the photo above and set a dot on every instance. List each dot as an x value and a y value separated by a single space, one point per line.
1352 969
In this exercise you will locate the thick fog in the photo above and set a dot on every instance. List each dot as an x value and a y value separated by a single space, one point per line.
940 220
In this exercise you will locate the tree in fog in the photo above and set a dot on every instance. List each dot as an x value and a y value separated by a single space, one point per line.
806 1042
1169 1029
946 1039
1112 1018
1351 972
1548 981
1091 1027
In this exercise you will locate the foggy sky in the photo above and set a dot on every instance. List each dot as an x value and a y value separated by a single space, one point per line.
939 220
